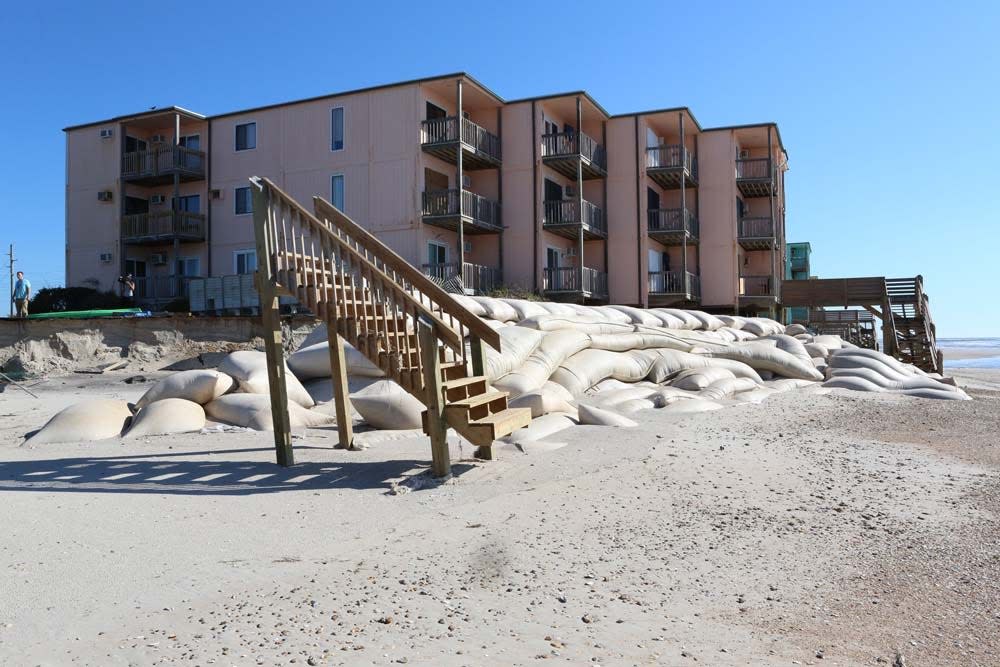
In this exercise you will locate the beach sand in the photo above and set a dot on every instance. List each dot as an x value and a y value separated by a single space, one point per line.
955 353
810 529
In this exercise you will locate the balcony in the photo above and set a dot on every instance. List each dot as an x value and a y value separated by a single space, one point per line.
756 233
799 263
672 286
757 287
478 215
564 281
671 167
158 165
475 278
755 177
564 150
672 226
563 217
163 227
480 148
159 290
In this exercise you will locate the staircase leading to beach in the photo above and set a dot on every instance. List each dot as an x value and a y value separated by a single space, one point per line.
403 322
915 333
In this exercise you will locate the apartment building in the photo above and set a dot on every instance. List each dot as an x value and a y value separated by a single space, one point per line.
550 194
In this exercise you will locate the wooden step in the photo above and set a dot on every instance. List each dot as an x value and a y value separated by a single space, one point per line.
476 400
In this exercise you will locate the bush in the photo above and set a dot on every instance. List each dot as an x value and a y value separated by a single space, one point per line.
61 299
512 292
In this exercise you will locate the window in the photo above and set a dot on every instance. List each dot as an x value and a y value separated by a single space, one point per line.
189 266
187 203
192 141
337 191
244 202
437 253
246 136
244 261
337 129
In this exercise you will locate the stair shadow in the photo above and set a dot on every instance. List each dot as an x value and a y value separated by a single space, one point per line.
157 474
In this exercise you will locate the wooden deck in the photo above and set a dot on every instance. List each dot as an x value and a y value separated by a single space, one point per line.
671 167
755 177
563 217
672 226
477 214
158 165
564 150
481 149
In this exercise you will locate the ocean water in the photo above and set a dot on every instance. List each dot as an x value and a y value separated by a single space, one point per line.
957 344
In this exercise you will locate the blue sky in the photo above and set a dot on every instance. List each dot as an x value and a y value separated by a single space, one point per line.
890 111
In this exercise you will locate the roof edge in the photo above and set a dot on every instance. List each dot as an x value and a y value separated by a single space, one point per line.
142 114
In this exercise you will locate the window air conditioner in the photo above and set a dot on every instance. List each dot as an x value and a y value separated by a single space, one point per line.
157 199
104 195
107 133
571 251
106 257
158 139
216 193
744 154
158 258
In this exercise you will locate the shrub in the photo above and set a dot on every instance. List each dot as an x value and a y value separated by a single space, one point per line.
514 292
61 299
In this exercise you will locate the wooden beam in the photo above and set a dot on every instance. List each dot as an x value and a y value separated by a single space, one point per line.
437 429
338 375
874 311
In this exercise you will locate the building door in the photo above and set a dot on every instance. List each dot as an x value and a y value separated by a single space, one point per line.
133 144
434 112
137 267
652 199
552 272
434 181
136 205
188 203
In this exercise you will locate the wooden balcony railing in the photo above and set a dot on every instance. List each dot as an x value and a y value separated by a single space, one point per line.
758 168
673 156
567 279
572 144
163 161
163 225
445 131
480 279
676 220
756 228
158 289
675 282
756 286
567 212
444 203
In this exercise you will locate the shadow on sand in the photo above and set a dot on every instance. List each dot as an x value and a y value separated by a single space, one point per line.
157 473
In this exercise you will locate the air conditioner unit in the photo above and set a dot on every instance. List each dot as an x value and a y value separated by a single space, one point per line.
569 191
107 133
466 181
158 258
571 251
158 139
104 195
157 199
467 246
744 154
106 257
217 193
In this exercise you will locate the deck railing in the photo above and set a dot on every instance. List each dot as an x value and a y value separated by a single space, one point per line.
163 160
756 228
757 168
445 131
567 279
163 225
476 277
673 156
672 220
756 286
442 203
567 211
161 288
569 144
674 282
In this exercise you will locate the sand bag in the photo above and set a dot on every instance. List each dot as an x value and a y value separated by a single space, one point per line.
637 315
540 428
496 309
690 322
762 326
861 384
691 406
517 344
669 363
96 419
555 347
708 322
667 321
817 350
166 416
732 321
200 385
470 304
700 378
249 368
314 362
386 405
586 368
598 417
829 342
254 411
544 401
726 388
525 308
795 329
770 358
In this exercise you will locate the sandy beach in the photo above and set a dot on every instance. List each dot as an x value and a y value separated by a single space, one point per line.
810 529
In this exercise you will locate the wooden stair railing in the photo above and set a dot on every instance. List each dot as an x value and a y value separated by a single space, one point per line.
403 322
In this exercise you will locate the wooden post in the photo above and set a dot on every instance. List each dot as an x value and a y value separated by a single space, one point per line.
338 375
437 429
272 329
478 351
579 191
604 205
460 175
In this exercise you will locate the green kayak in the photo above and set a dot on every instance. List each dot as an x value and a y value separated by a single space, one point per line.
81 314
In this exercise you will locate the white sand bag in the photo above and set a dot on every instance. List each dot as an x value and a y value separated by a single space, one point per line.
817 350
789 344
590 325
861 384
470 304
199 385
667 321
586 368
829 341
496 309
732 321
795 329
313 362
762 326
700 378
386 405
727 388
167 416
764 356
550 398
541 428
96 419
613 315
637 315
690 321
692 406
525 308
644 338
598 417
516 345
669 363
555 347
249 369
254 411
708 322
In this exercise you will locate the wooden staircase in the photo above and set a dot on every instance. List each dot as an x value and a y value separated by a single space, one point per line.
390 311
914 329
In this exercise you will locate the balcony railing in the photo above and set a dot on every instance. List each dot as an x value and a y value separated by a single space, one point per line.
799 263
756 233
163 226
476 277
445 203
443 131
664 221
567 279
755 176
572 145
161 288
567 212
756 286
675 282
163 161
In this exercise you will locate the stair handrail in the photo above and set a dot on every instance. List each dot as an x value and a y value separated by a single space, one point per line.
445 304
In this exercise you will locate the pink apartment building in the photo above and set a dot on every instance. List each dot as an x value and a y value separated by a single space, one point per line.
549 194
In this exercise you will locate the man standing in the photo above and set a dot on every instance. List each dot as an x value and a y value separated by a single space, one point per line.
22 292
